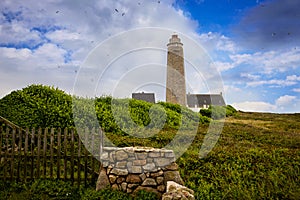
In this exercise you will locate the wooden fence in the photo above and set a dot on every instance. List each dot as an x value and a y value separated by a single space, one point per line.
29 154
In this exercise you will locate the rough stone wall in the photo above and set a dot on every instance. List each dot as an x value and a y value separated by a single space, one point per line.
131 169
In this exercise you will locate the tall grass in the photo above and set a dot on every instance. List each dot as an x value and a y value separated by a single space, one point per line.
256 157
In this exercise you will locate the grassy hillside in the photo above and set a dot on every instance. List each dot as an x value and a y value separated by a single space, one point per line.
257 157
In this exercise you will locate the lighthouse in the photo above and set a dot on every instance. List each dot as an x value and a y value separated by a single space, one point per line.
175 87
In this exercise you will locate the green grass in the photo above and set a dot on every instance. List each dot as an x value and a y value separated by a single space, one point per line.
60 190
257 157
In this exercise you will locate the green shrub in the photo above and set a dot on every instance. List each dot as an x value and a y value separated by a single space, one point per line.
230 111
51 189
44 106
144 195
38 106
218 112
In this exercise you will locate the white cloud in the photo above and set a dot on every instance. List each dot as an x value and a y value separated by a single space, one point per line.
12 53
51 33
250 76
223 66
254 81
230 88
225 44
251 106
269 62
60 36
285 103
296 89
273 82
285 100
293 78
52 38
217 42
17 32
265 63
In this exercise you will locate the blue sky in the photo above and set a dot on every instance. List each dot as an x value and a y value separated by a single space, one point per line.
254 45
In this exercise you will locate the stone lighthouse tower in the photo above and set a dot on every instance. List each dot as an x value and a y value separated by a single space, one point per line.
175 91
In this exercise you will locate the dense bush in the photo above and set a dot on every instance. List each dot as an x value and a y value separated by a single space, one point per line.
230 111
44 106
38 106
218 112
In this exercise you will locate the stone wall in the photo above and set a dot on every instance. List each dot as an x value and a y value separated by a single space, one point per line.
131 169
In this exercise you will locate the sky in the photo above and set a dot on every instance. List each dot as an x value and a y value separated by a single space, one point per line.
248 50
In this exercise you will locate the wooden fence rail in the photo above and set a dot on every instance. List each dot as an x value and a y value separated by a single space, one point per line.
29 154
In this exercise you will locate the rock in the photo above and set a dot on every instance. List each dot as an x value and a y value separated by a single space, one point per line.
119 172
149 167
162 162
166 196
172 176
109 168
121 155
154 155
170 155
112 179
173 166
104 156
122 164
120 180
112 157
139 162
177 191
149 182
105 163
150 160
102 181
161 188
132 178
141 156
160 180
173 187
132 186
156 174
115 187
129 165
124 186
135 169
143 176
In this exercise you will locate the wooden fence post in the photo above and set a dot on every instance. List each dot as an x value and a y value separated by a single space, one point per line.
58 152
19 153
32 154
78 161
26 153
45 153
12 159
86 133
51 152
72 156
38 153
65 153
42 153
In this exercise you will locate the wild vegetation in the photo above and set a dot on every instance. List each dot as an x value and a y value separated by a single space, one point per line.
257 155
